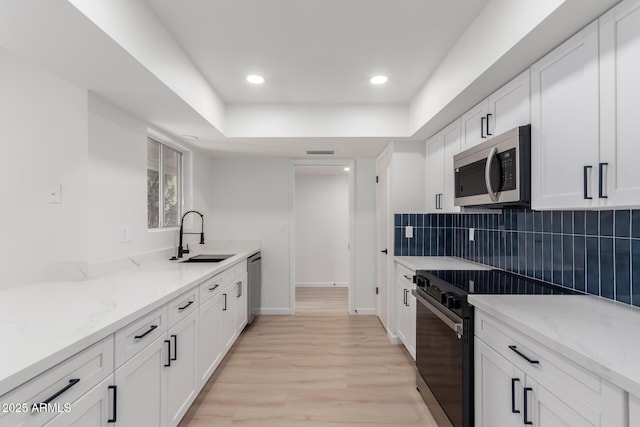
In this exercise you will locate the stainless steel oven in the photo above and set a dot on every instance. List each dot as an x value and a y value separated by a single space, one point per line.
495 173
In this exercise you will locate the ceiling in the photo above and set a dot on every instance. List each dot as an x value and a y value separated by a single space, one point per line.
313 51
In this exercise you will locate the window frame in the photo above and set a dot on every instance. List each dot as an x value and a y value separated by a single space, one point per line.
163 143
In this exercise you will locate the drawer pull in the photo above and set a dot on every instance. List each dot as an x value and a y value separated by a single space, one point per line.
151 329
515 349
513 395
185 306
225 302
72 382
166 365
214 288
114 416
407 277
175 347
239 294
526 409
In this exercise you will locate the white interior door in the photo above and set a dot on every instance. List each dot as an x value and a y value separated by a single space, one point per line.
382 237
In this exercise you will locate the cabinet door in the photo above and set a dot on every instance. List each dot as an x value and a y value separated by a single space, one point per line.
142 386
402 314
451 143
634 410
498 389
620 104
510 106
546 410
435 172
474 130
241 303
210 341
411 315
229 321
95 408
565 124
182 384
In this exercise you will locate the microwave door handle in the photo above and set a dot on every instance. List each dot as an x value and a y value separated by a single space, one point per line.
487 174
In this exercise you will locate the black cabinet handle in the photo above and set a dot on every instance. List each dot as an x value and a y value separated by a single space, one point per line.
600 180
585 179
168 353
239 285
214 288
385 251
482 119
114 414
175 347
72 382
225 302
515 349
487 123
513 395
151 329
185 306
405 296
526 406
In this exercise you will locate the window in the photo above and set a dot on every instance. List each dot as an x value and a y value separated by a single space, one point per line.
164 185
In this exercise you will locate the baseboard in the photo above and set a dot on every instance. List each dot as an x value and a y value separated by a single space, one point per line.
322 285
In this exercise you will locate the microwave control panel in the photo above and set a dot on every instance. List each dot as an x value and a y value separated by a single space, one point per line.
508 169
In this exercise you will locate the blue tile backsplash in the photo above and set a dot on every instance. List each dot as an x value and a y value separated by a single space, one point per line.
596 252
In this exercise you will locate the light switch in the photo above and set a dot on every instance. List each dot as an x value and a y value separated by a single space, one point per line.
408 232
55 194
125 235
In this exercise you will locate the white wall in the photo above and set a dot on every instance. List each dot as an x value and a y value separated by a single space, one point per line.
43 136
250 201
55 133
322 229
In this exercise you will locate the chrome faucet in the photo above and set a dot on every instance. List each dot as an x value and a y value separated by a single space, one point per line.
186 251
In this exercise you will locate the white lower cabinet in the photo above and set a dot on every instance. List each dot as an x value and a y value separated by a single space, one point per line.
229 316
210 340
519 381
241 303
141 387
95 408
406 309
182 382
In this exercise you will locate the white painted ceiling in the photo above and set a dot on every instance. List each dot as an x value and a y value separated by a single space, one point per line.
316 51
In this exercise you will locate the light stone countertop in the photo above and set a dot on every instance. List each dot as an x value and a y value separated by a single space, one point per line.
43 324
438 263
600 335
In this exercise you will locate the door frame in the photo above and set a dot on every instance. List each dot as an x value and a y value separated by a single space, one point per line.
292 221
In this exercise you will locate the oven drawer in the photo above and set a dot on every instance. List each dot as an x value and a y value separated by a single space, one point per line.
566 380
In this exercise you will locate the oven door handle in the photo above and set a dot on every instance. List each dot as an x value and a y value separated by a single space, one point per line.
454 324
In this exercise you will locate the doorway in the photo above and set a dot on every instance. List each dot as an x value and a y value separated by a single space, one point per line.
321 255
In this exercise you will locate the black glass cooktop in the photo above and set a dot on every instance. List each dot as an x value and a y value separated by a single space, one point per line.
450 287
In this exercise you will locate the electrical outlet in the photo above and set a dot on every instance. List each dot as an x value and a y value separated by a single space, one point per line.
472 235
408 232
125 235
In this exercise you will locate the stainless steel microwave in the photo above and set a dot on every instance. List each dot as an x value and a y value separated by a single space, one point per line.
495 173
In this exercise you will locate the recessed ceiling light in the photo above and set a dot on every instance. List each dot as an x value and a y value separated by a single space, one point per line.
378 80
346 169
255 79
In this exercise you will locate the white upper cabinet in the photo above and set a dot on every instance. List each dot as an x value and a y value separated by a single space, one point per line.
440 175
474 125
505 109
620 106
565 124
510 106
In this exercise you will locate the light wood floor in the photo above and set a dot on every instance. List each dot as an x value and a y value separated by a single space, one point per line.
320 367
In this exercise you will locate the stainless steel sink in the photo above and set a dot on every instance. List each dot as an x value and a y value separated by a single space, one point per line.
207 258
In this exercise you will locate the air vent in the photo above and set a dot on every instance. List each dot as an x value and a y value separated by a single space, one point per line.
323 152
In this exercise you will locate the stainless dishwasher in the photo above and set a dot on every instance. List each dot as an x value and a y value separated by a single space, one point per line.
254 283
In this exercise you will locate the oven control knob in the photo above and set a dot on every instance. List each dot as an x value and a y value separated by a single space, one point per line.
443 298
453 301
